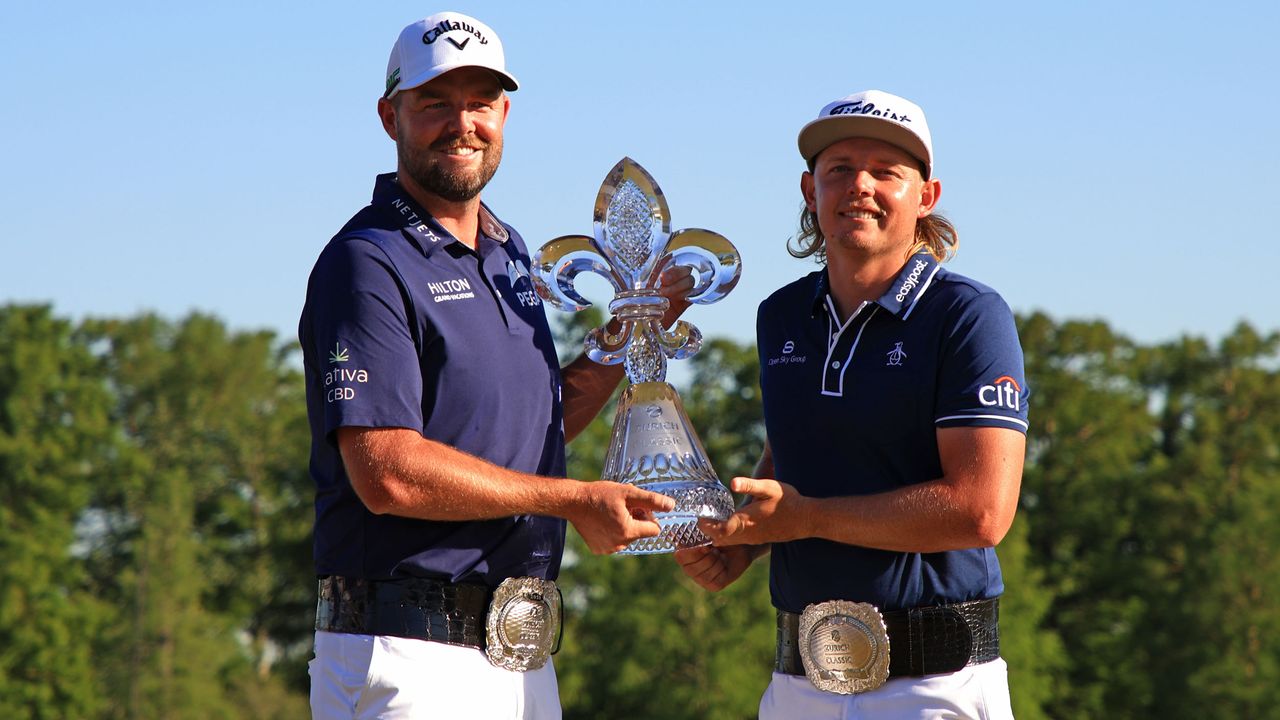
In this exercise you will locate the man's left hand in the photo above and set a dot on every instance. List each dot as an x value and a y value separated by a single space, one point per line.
775 513
674 284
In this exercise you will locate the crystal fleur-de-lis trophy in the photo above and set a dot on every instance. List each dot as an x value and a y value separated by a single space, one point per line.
653 445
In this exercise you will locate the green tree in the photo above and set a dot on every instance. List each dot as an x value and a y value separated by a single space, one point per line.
1033 651
53 427
208 519
1209 529
1150 498
1089 451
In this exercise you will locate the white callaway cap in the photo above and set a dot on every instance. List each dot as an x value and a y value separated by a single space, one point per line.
445 41
870 114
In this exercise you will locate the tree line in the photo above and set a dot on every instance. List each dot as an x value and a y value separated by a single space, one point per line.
155 557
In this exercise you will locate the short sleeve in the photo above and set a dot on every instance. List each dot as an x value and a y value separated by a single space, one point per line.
982 381
366 360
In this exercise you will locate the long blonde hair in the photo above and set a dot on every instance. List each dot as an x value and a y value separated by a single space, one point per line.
934 232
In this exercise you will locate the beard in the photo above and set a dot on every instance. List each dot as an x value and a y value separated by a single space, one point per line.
454 186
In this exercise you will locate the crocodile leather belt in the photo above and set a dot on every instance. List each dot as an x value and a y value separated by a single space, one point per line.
517 624
846 647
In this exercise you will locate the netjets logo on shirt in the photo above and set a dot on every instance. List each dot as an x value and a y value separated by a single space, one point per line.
446 290
1003 392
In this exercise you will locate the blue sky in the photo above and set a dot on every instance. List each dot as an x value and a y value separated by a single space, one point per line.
1101 160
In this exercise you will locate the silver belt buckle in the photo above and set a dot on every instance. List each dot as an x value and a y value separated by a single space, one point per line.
844 646
523 623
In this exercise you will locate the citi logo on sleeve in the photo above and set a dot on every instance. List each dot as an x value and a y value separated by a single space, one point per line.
1003 392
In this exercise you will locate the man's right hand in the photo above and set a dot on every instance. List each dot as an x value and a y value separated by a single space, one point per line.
715 568
611 515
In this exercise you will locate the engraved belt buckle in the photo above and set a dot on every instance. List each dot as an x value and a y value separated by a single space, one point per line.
523 625
844 646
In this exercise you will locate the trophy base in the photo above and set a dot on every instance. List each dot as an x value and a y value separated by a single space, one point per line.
694 499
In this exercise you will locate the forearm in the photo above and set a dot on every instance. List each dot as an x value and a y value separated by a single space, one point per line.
587 386
398 472
934 516
971 505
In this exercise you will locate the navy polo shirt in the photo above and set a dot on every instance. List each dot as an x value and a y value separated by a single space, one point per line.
406 327
853 409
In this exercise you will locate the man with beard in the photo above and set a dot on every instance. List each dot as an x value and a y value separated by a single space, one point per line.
435 403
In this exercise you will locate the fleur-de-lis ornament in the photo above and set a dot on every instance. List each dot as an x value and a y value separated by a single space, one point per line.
632 247
653 444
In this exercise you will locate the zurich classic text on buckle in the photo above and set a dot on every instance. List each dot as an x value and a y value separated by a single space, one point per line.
844 646
523 625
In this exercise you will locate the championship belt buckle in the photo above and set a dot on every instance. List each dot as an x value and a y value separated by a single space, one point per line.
523 624
844 646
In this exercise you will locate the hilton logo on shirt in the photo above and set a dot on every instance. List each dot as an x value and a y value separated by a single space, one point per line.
445 290
1003 392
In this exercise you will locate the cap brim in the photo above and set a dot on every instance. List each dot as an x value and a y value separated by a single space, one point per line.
507 81
824 132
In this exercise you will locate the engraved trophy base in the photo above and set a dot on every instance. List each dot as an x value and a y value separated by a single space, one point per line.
654 447
680 526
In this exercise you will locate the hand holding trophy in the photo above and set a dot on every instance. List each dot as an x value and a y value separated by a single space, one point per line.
653 445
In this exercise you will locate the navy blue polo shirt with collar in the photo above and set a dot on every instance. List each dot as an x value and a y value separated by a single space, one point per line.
853 409
405 327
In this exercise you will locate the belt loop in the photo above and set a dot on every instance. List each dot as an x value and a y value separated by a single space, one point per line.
916 633
787 656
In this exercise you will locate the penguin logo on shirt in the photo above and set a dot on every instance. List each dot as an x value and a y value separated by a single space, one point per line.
896 355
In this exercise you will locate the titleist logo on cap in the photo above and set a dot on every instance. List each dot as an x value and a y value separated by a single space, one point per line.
861 108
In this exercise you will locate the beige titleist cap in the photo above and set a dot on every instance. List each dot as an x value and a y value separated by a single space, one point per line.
871 114
442 42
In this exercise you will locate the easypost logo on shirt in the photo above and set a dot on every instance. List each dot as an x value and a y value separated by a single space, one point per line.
912 280
1003 392
340 381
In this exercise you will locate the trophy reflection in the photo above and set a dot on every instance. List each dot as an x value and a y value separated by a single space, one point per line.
653 445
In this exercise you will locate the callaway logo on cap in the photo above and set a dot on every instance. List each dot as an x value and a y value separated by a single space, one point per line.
440 43
871 114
